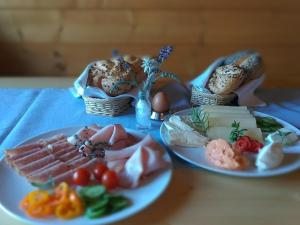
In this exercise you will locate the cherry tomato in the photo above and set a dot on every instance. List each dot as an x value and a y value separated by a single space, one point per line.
81 177
110 179
256 146
242 144
99 170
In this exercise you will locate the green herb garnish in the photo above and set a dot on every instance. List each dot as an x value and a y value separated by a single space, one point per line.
268 124
199 119
236 132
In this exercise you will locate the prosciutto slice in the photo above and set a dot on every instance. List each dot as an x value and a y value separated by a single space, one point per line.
111 134
83 134
37 146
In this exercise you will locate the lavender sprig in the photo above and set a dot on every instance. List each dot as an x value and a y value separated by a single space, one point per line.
152 69
164 53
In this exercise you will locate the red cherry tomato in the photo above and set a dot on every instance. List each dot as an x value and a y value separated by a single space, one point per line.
81 177
99 170
110 179
255 146
243 144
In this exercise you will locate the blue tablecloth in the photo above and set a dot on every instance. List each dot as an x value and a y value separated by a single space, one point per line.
29 112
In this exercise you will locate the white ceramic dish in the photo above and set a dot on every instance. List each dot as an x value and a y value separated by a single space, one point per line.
196 156
14 187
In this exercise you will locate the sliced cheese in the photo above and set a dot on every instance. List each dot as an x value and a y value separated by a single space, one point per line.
232 109
179 123
186 138
224 132
245 122
230 114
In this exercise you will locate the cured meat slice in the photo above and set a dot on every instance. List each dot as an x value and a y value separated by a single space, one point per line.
107 135
67 176
57 169
116 165
22 155
40 144
41 168
60 156
83 134
46 151
144 161
111 155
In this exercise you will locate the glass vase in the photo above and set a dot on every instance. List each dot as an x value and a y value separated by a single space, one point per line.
143 110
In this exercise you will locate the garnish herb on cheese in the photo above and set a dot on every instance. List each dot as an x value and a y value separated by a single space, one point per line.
221 118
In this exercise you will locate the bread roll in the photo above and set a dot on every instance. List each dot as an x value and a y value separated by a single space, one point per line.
114 77
226 79
252 64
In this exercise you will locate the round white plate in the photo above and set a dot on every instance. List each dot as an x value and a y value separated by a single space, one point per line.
196 156
13 188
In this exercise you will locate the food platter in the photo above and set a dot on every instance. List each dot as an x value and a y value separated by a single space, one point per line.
196 156
14 187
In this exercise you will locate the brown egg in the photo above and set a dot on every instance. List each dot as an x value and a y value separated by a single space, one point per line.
160 102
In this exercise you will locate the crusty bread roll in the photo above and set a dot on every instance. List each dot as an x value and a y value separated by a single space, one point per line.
226 79
114 77
252 64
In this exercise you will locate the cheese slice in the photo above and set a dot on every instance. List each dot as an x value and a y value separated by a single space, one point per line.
224 132
180 124
186 138
230 114
230 109
245 122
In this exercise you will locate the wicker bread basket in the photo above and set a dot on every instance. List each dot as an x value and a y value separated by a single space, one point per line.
107 106
199 97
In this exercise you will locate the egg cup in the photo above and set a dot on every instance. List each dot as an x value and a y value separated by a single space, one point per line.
159 116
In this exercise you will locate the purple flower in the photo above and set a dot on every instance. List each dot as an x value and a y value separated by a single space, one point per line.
164 53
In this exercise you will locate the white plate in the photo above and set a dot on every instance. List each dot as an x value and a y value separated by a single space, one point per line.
14 187
196 156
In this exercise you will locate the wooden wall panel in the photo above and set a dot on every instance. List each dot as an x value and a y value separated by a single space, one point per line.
60 37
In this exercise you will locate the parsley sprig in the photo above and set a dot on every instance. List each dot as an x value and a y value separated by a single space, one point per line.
236 132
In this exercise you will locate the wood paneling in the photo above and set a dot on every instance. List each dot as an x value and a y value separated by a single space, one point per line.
60 37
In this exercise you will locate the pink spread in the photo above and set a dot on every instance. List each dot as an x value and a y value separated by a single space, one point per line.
220 153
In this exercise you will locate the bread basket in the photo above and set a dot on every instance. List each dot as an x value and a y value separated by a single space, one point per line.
200 97
107 106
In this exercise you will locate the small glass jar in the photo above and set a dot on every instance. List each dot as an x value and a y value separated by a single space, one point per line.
143 110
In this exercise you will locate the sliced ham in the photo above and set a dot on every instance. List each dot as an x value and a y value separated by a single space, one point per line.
111 155
40 144
54 163
143 162
116 165
45 167
58 169
37 164
44 152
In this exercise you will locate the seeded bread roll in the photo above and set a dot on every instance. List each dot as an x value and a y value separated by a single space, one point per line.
136 63
236 56
116 77
226 79
119 80
98 71
252 64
